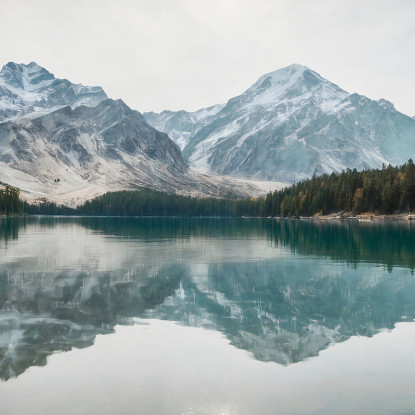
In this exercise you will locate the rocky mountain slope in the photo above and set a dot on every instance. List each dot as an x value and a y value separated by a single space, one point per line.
290 125
68 143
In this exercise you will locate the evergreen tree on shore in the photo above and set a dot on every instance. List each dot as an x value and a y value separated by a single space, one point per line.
10 202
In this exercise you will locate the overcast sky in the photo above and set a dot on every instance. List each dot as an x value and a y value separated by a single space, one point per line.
189 54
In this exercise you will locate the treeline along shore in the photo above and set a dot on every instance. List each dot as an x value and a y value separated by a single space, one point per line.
10 202
384 191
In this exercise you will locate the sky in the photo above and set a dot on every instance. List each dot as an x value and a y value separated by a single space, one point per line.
190 54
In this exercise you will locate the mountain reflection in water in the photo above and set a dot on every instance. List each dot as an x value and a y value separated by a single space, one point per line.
283 290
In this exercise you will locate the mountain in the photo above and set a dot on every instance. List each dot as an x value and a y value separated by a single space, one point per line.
181 125
288 126
68 143
30 88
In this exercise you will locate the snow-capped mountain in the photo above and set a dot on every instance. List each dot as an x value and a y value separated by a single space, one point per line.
69 143
30 88
290 125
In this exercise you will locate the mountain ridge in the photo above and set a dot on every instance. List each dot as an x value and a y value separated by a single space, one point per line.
68 143
30 88
290 125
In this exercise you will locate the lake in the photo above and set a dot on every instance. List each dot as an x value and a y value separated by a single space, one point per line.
206 316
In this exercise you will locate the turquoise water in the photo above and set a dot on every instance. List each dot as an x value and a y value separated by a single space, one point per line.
183 316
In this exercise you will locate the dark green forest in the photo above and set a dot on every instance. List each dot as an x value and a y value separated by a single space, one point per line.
149 202
47 208
387 190
10 202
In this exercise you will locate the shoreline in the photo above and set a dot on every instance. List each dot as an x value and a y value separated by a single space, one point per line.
364 217
339 216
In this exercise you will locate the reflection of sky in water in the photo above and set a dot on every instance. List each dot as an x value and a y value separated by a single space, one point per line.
284 291
163 368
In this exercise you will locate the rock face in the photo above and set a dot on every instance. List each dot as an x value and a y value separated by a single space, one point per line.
290 125
30 88
107 145
69 143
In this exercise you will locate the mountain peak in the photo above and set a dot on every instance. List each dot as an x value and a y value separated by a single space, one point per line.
291 69
27 88
294 83
20 67
25 76
289 76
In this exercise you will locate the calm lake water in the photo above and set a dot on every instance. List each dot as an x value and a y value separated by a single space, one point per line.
206 316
